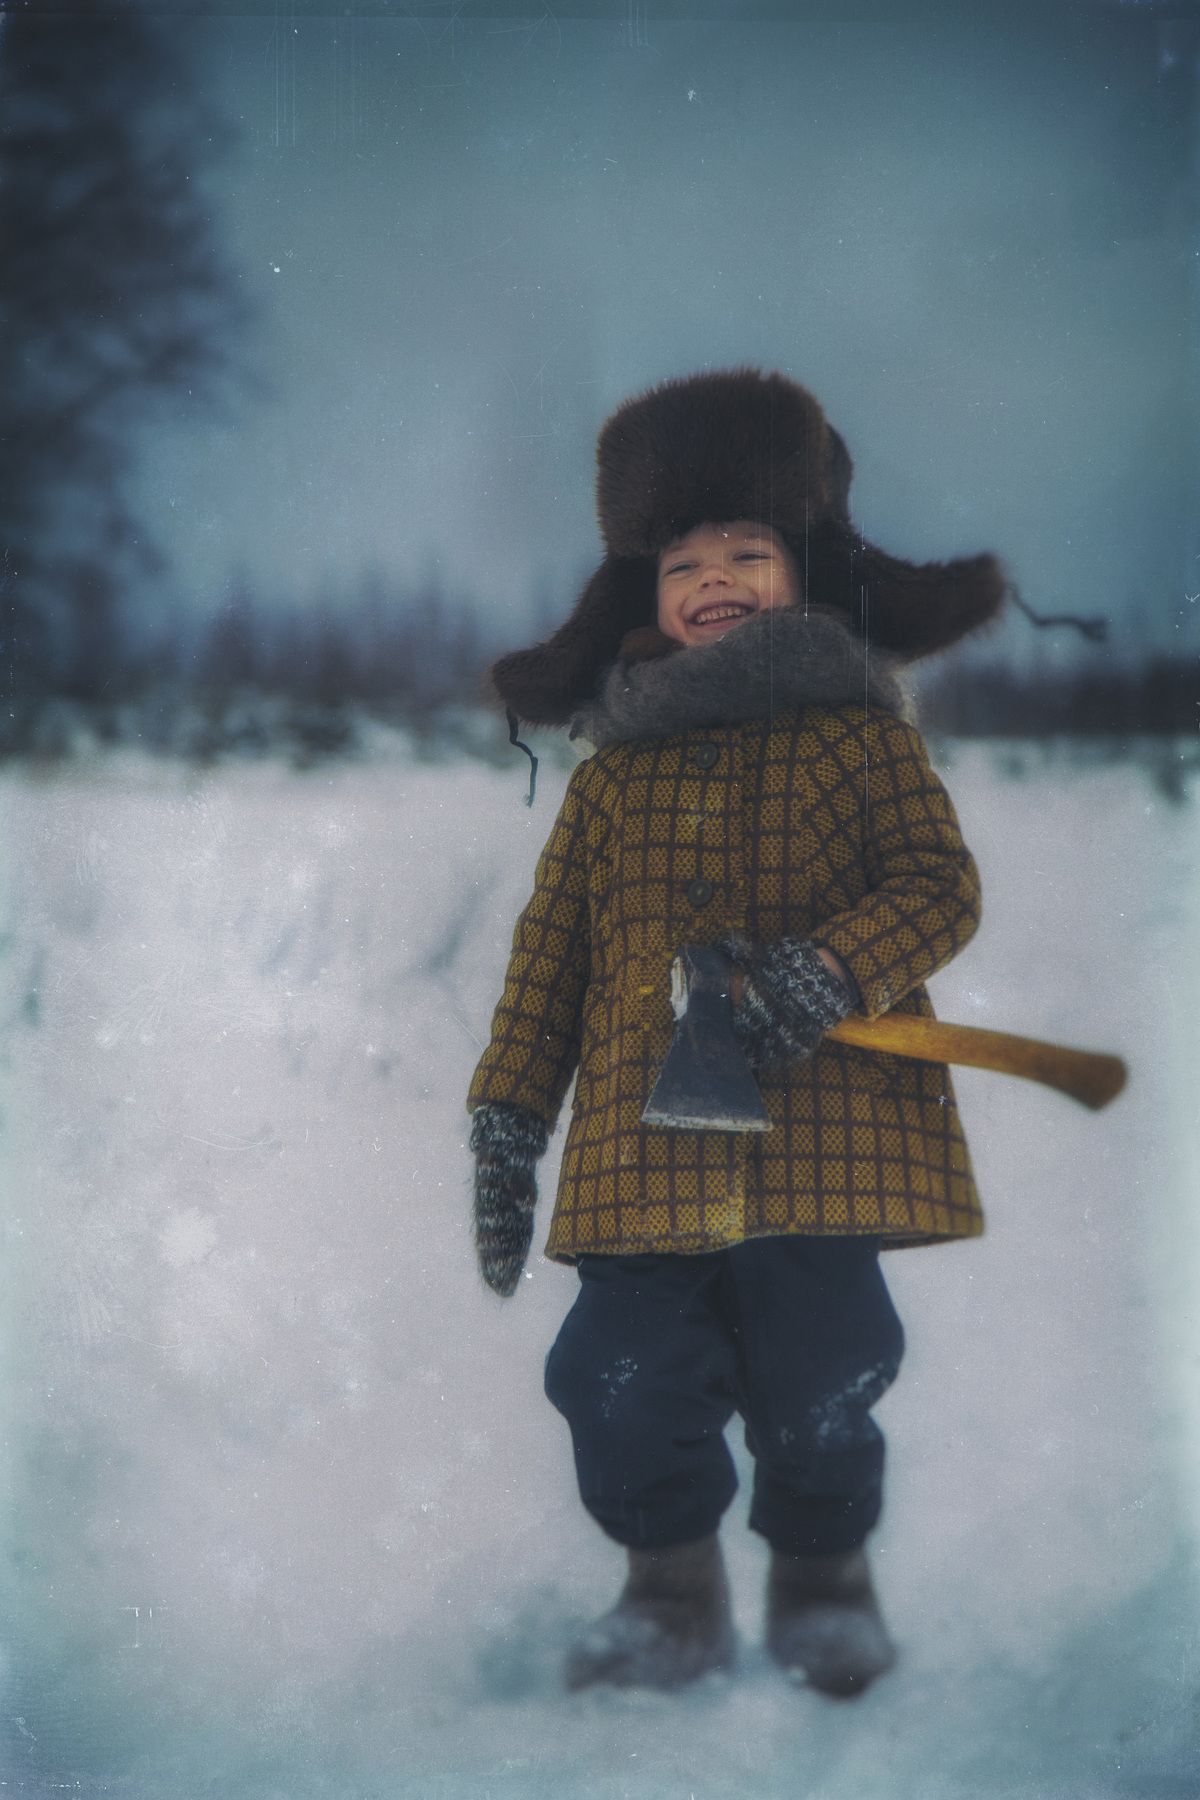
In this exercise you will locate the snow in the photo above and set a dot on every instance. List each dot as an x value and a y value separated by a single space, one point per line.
286 1513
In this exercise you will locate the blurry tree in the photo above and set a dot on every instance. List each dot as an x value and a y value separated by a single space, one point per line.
386 641
90 641
233 653
330 671
1095 698
285 657
113 299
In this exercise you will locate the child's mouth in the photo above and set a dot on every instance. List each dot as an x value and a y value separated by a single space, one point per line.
728 612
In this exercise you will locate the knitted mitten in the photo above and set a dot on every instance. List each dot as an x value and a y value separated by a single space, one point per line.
789 998
507 1141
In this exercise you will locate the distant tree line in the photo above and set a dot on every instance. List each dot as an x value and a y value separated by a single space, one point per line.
397 649
250 675
1099 697
406 648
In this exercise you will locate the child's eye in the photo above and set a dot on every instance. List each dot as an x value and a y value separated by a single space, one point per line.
739 556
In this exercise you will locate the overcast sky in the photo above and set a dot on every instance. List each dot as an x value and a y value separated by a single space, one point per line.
975 242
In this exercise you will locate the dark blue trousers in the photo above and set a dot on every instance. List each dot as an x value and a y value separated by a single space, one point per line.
798 1335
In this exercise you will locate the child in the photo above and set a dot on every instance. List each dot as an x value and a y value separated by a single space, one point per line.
755 785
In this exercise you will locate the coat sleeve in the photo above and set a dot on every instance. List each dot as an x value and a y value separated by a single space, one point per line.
534 1045
923 903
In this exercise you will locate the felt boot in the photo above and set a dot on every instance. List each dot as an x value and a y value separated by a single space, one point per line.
823 1622
670 1625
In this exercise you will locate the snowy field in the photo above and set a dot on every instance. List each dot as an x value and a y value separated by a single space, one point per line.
284 1511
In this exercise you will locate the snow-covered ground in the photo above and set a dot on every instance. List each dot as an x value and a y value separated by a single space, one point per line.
284 1511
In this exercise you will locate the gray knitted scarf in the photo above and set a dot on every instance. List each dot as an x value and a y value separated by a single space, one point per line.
781 659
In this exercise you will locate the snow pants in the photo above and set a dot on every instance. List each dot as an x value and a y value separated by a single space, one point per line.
798 1335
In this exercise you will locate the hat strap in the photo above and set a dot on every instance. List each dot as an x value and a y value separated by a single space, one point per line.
1093 627
511 716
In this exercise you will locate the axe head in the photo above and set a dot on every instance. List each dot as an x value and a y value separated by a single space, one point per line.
705 1083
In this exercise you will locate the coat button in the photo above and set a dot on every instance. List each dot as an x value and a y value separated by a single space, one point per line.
705 755
700 891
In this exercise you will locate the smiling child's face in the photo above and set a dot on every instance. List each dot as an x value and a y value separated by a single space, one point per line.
717 576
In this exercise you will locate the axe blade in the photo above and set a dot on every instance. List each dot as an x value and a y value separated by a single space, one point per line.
705 1084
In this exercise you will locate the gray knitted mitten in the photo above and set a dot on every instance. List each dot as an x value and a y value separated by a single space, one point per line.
789 998
507 1141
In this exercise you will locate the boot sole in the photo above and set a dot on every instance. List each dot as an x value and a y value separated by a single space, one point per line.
578 1675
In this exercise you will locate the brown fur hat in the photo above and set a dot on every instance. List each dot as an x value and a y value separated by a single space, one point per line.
736 444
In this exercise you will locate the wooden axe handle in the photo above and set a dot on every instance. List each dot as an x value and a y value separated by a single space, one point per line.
1085 1075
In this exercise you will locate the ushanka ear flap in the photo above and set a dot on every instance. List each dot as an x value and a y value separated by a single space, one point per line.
546 684
911 609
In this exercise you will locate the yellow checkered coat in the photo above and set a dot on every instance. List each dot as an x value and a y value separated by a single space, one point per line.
826 822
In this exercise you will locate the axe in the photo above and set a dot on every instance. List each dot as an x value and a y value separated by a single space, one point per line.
706 1083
